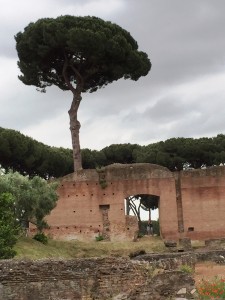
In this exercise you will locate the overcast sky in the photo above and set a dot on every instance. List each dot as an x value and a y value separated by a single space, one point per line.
182 96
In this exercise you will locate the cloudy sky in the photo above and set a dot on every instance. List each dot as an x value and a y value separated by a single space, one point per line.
182 96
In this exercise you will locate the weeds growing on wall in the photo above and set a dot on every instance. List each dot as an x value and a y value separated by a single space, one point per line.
214 289
103 183
102 180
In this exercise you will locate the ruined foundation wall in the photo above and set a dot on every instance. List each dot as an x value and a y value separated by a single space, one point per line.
87 279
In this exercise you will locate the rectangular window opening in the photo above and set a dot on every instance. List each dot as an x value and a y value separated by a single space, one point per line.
104 206
191 229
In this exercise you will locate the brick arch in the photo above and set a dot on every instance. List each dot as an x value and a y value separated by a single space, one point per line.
149 179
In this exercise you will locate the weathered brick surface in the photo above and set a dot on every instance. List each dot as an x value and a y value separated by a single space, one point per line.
191 205
169 261
203 198
78 214
87 279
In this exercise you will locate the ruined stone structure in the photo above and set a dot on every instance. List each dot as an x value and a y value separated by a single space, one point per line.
91 202
94 278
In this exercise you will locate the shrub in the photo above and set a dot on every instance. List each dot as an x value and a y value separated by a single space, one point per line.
99 238
8 226
41 237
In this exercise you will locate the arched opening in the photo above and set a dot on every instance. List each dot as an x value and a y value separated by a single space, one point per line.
146 209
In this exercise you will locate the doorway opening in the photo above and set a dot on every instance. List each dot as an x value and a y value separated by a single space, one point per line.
146 209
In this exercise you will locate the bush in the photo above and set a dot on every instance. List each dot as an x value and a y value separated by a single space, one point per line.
41 237
8 226
99 238
6 252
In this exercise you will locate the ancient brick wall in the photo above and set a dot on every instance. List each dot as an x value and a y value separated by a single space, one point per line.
86 279
91 202
87 196
203 202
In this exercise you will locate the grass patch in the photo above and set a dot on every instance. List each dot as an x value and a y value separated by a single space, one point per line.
186 269
196 244
32 249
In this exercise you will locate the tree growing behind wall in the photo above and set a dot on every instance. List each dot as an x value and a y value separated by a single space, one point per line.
79 54
149 202
8 226
143 228
29 157
137 202
176 153
33 198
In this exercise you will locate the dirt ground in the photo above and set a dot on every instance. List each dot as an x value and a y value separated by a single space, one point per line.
208 271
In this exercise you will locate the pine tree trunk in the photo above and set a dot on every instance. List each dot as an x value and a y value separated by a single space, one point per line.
75 129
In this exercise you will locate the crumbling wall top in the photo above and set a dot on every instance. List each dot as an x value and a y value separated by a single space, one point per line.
120 172
215 171
136 171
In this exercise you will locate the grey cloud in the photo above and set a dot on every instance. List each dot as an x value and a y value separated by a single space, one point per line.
166 110
185 42
182 38
32 107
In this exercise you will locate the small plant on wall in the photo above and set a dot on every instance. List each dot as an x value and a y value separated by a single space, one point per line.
103 183
102 180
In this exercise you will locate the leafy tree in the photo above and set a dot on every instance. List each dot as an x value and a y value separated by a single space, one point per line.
100 158
219 158
141 201
133 205
80 54
34 198
92 159
88 159
120 153
149 202
29 157
8 226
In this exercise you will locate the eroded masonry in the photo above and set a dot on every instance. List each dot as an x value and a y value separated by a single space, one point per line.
91 202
